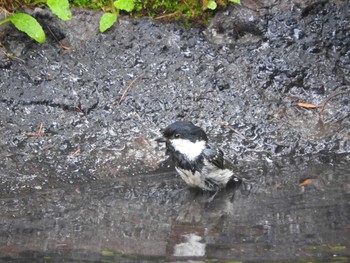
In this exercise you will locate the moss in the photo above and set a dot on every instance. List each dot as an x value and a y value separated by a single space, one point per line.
90 4
188 11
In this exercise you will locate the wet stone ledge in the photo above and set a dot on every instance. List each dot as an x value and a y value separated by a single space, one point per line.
78 158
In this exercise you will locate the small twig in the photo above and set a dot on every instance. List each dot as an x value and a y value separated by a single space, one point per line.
78 107
63 46
166 15
8 13
188 6
54 36
11 56
227 126
75 153
69 49
324 104
306 105
122 98
39 131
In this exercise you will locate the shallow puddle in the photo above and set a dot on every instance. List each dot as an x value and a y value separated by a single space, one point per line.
297 212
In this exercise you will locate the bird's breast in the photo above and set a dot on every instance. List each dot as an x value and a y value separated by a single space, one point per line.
193 179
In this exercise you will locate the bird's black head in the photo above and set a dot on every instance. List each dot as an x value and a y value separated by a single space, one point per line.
183 130
185 143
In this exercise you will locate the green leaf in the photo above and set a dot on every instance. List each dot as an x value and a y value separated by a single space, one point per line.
235 1
212 5
107 20
60 8
126 5
28 25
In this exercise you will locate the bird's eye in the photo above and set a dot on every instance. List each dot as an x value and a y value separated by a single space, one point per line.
177 135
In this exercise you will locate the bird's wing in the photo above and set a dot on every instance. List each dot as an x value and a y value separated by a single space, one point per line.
215 156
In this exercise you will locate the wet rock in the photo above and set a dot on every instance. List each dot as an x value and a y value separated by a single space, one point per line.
245 83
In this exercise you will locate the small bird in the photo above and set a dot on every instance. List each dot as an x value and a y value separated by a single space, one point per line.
199 163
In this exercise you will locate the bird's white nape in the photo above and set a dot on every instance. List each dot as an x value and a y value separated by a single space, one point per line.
190 149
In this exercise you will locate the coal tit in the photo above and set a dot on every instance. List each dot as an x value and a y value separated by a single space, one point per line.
199 163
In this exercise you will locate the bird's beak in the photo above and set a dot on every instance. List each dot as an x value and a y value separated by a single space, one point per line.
161 139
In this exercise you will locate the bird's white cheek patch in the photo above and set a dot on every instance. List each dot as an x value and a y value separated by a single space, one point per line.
190 149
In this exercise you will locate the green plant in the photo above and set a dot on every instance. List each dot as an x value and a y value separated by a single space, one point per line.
187 10
29 25
161 9
108 19
212 4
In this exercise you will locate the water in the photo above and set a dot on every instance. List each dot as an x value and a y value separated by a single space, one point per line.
285 211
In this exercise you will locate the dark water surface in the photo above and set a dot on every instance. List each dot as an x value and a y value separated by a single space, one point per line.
297 212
